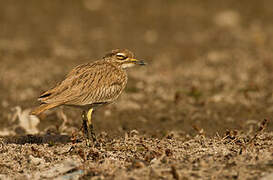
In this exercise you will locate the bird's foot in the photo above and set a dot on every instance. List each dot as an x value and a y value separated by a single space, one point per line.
91 136
88 142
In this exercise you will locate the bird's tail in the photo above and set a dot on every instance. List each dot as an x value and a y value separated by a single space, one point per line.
43 107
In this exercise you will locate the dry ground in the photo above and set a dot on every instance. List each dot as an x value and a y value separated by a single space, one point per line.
195 112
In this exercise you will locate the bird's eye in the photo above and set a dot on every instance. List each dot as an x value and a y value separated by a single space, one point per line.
121 56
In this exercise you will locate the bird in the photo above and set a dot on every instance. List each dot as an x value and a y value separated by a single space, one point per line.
89 86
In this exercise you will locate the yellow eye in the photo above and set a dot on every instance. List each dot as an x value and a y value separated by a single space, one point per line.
121 56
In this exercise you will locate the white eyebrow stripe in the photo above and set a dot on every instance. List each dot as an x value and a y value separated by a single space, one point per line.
121 54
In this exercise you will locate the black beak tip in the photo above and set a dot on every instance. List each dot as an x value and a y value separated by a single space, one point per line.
142 63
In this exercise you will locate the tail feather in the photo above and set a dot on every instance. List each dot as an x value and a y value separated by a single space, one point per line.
43 107
46 95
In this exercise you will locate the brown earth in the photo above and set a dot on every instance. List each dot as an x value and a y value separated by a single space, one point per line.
194 112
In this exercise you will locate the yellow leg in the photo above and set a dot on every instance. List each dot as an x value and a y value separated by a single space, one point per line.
90 132
89 116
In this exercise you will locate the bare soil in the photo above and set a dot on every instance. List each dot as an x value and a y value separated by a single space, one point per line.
201 109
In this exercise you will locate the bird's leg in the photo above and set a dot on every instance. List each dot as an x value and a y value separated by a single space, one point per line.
91 133
84 124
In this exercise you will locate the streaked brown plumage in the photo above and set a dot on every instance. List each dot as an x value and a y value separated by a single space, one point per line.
91 84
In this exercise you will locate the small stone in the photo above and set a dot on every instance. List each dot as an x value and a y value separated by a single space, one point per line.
36 161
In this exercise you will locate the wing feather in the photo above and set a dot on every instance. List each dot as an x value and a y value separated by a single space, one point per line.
87 84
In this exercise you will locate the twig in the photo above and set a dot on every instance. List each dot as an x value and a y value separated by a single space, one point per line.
259 130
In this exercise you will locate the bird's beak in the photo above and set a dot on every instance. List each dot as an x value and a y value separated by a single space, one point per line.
139 62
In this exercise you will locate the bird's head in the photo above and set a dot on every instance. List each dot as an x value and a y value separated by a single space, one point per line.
123 58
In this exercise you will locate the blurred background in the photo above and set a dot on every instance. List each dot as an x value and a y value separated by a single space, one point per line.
210 62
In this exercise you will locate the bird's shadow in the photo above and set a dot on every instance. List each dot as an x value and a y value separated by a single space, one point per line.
38 139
